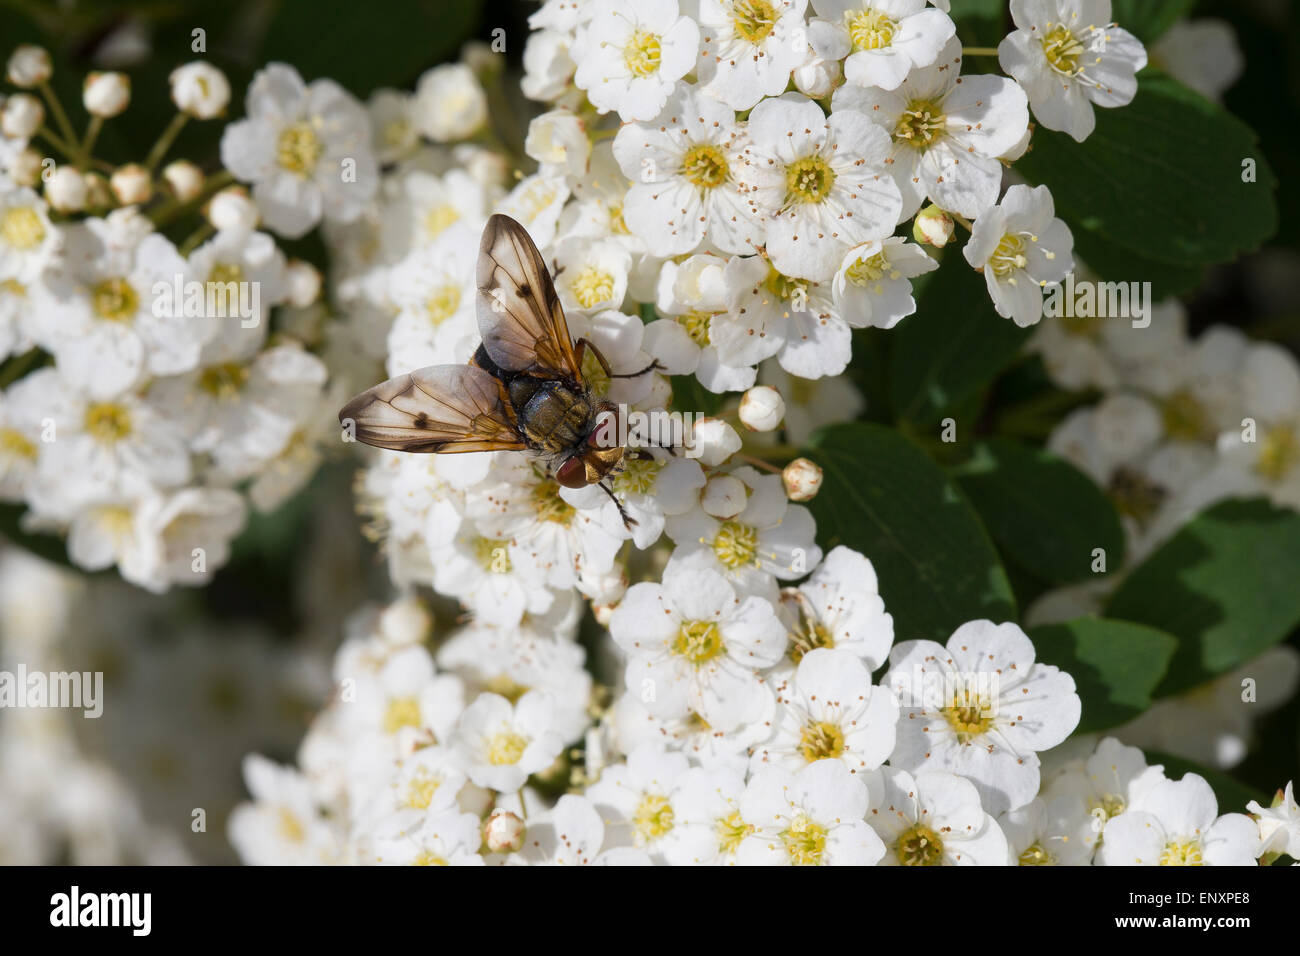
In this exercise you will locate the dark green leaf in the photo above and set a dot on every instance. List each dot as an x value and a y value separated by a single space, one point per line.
1115 665
1114 264
1225 585
1162 177
1145 19
952 347
47 546
882 496
1044 513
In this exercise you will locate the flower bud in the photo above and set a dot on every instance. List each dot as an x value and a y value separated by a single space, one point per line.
815 80
405 621
200 89
231 209
304 283
22 117
723 497
98 194
184 178
933 226
714 441
503 832
28 66
106 94
25 167
450 103
802 479
131 184
762 408
66 189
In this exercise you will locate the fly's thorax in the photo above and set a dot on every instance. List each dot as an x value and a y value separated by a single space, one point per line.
553 417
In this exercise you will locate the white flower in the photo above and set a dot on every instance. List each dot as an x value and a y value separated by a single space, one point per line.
873 286
548 66
500 744
282 825
593 275
559 140
572 834
392 124
692 293
769 538
1202 53
305 148
810 818
829 710
947 132
935 819
694 645
450 103
981 707
811 404
193 529
1279 824
687 170
1177 823
651 488
419 208
1040 833
1020 246
750 47
633 54
822 179
433 291
443 839
28 240
1112 779
886 39
200 89
1068 55
20 429
839 606
635 800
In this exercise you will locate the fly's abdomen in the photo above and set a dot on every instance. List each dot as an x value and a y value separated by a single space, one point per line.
555 419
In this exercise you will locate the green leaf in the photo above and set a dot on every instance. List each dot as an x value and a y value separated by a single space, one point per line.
1233 795
1147 20
1162 177
883 497
1115 264
1116 665
47 546
1224 585
1042 511
952 347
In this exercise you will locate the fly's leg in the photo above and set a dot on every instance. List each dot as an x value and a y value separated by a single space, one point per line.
628 521
580 349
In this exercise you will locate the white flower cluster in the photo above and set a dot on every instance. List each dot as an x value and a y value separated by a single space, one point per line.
148 400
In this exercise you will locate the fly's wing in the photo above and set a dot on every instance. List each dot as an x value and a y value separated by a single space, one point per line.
443 408
519 314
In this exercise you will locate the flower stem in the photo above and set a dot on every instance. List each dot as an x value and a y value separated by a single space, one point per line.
56 109
193 240
88 142
69 151
165 141
166 212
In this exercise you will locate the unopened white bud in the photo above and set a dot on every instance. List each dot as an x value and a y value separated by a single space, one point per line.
200 89
98 194
724 497
131 184
816 80
802 479
106 94
762 408
714 441
66 189
28 66
25 168
933 227
304 283
405 621
22 117
232 210
503 832
184 178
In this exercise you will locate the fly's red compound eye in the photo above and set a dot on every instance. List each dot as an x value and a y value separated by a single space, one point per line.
572 473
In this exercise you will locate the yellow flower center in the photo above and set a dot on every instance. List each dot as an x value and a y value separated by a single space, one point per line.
731 831
1135 495
1082 326
805 841
871 269
920 124
1182 853
1037 856
593 286
492 555
1279 452
870 29
698 641
1185 417
401 712
1062 49
808 180
696 325
652 818
114 300
705 165
784 287
429 858
421 788
638 476
14 444
22 228
1009 256
919 846
298 149
641 55
1110 804
291 828
736 544
969 714
507 687
818 741
223 381
506 748
548 503
439 218
108 422
754 20
443 303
